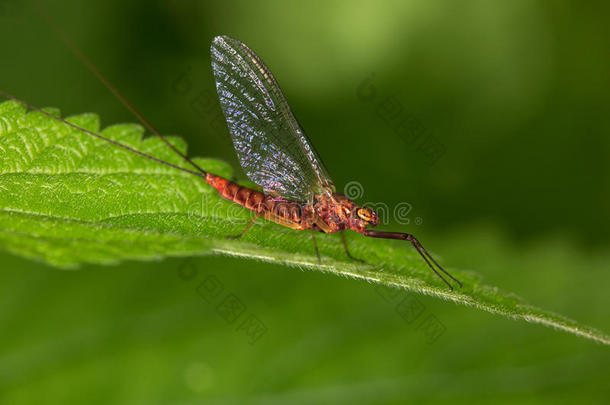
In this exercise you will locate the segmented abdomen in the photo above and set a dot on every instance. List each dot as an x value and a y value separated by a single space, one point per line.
244 196
284 212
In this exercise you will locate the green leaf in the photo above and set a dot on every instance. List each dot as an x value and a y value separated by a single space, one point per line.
68 198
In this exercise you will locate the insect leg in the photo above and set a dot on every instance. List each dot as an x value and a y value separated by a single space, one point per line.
258 214
315 245
347 250
420 249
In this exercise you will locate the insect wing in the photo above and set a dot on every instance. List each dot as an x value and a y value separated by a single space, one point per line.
272 148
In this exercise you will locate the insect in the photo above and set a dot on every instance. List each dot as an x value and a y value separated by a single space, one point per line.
275 153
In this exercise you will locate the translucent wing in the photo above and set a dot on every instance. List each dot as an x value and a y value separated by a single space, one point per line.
270 144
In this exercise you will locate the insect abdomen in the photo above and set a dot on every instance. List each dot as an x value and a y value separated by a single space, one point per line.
287 213
244 196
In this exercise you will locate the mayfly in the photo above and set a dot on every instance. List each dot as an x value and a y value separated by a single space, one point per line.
297 191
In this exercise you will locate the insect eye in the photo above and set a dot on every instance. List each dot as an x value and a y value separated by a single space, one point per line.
364 214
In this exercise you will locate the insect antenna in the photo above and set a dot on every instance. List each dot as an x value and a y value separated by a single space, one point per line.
93 69
119 144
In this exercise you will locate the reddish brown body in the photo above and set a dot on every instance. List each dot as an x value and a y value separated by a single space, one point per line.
328 212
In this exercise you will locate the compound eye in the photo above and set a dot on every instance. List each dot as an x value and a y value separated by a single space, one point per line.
364 214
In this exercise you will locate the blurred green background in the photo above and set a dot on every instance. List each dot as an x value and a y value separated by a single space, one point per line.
490 118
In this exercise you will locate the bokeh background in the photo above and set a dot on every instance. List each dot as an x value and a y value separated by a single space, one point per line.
492 119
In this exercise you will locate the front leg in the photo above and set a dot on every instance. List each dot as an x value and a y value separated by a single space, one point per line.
258 214
418 246
315 245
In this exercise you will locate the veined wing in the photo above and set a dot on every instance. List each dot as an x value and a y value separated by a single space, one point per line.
270 144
